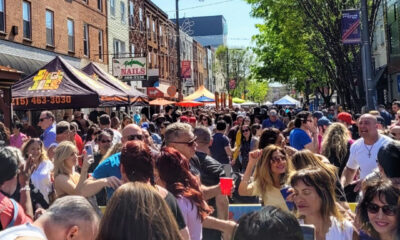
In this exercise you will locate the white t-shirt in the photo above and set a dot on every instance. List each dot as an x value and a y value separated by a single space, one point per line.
359 155
25 230
117 137
338 230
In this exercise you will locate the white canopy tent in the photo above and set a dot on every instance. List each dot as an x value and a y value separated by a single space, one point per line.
287 101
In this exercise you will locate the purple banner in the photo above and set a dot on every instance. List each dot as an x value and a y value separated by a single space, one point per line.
351 33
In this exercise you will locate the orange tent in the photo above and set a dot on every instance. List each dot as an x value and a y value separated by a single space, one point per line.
161 102
202 91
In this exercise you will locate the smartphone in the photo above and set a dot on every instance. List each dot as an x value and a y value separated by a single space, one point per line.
308 231
89 149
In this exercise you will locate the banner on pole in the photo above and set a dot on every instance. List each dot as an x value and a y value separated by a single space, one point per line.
351 33
186 69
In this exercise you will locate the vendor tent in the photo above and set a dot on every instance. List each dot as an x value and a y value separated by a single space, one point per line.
286 101
161 102
98 74
202 91
237 100
249 103
188 103
59 85
204 99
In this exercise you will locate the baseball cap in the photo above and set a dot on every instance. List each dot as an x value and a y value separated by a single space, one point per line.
389 159
184 119
345 117
145 125
318 114
241 115
323 121
273 112
192 120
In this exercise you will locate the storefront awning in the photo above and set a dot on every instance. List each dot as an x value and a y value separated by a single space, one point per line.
25 65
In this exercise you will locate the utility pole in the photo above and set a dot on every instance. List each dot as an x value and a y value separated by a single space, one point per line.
178 51
369 83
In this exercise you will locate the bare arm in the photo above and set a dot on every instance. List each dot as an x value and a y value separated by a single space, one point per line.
210 192
225 226
228 151
347 176
313 145
185 233
243 187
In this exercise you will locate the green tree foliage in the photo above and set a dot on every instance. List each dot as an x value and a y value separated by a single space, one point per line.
300 43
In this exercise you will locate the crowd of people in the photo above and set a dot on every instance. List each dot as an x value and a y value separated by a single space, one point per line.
323 175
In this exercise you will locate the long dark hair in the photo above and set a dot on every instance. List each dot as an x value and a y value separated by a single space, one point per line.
137 211
173 169
268 137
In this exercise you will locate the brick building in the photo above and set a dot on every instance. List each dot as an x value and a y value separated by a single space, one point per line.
33 32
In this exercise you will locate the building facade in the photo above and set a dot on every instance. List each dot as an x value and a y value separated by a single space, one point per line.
33 32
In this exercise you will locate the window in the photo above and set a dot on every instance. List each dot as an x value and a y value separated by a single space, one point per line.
100 5
119 48
123 12
112 7
26 15
49 28
2 17
85 40
147 23
71 35
132 50
131 13
100 45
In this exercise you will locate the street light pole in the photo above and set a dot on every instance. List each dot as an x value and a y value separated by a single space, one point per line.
178 51
366 58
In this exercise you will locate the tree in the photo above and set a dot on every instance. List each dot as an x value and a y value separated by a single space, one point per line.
300 42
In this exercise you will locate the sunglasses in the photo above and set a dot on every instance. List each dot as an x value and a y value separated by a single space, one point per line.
106 141
278 159
394 134
42 119
388 210
245 130
190 143
135 137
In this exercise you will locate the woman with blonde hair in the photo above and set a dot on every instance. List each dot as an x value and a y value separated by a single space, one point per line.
314 197
336 145
69 182
41 177
271 169
137 211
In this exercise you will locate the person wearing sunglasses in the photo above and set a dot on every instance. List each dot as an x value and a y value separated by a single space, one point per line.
248 143
47 123
378 210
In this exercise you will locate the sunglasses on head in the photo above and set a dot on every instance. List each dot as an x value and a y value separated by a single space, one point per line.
135 137
388 210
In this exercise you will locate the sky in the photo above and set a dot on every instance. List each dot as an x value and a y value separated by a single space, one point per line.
241 26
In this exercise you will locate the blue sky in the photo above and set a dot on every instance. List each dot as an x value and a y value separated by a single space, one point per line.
241 26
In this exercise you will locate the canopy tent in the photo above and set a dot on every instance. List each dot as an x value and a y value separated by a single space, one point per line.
204 99
202 91
249 103
287 100
161 102
59 85
98 74
267 103
237 100
189 104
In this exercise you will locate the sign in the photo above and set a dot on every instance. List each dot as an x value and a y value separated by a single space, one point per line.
189 83
171 91
186 69
351 33
153 92
130 68
45 80
232 84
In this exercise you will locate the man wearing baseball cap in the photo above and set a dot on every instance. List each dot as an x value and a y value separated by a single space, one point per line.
347 120
273 121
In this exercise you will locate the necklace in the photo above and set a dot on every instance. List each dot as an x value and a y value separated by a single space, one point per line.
369 149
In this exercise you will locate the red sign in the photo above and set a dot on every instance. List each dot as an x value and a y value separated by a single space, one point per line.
153 92
186 69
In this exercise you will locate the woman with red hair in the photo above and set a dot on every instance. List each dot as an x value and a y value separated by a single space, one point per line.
174 175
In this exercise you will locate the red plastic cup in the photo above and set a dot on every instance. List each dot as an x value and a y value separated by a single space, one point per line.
225 184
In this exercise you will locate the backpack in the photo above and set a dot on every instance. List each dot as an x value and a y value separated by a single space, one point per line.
15 206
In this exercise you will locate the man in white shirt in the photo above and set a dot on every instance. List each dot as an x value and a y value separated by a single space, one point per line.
69 217
364 151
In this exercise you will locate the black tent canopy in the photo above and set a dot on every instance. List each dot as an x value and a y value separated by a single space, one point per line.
58 85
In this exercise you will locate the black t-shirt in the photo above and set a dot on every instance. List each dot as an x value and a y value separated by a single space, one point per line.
176 211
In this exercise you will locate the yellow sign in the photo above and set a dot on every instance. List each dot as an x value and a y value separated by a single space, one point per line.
45 80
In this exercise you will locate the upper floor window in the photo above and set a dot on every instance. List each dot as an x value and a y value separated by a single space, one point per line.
123 12
49 28
131 13
85 40
100 5
100 45
71 35
112 7
2 17
26 16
